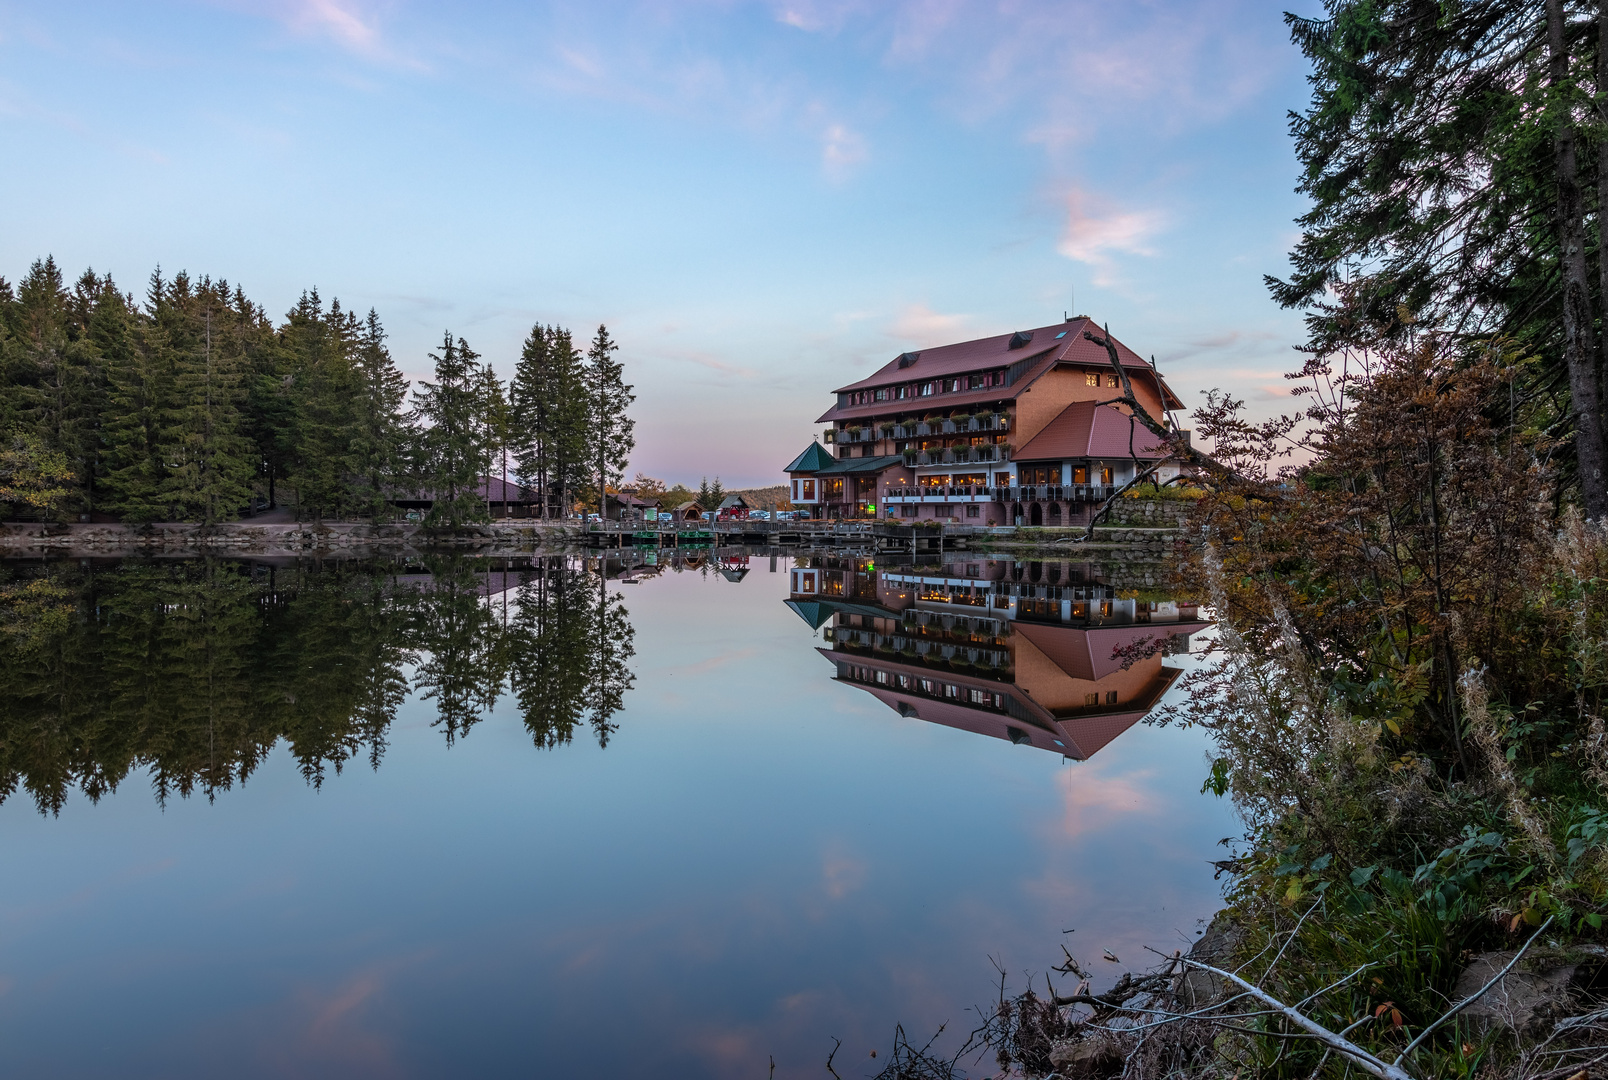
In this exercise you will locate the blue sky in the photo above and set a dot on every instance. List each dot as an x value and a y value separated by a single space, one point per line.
762 200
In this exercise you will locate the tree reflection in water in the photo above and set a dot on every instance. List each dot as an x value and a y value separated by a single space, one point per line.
196 669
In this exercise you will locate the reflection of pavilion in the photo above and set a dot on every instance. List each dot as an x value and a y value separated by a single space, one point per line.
1030 652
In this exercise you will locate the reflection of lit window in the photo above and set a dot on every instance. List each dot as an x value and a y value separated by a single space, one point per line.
1091 699
1111 697
882 677
809 584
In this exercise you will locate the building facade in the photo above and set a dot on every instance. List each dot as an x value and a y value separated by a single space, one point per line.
1016 429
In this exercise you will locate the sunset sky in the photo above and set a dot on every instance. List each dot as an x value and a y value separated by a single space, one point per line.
762 200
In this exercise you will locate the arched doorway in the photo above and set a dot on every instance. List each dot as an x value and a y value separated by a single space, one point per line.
1036 515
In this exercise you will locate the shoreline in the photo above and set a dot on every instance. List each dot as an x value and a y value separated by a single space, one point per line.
35 539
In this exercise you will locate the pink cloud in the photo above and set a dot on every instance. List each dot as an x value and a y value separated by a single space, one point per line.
1096 232
841 151
353 25
924 326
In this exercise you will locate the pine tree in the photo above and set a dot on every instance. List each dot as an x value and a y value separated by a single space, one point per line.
549 407
452 452
496 423
140 380
380 435
611 433
208 461
1441 153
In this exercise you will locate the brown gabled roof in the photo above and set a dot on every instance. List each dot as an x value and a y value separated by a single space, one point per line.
1086 430
1065 339
1091 653
1046 346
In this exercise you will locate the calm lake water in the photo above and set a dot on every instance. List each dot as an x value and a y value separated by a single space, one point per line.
457 819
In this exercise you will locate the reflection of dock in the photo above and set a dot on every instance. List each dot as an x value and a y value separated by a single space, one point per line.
991 647
865 535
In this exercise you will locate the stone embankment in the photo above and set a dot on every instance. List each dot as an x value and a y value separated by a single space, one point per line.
1150 525
1151 513
245 538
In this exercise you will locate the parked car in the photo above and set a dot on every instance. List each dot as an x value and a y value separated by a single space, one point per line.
759 515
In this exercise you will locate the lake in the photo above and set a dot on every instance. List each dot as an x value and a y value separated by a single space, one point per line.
457 818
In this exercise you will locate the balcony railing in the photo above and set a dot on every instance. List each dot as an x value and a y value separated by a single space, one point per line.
951 426
958 455
1031 493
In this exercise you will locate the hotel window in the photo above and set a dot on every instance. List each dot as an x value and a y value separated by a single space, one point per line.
1091 699
795 489
977 382
1092 378
904 392
809 490
907 510
1002 479
1111 697
953 386
973 510
1105 474
882 395
926 389
1080 474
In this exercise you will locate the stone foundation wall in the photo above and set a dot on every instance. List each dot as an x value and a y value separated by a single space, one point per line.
1151 513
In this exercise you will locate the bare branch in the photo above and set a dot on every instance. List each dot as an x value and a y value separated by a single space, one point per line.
1475 996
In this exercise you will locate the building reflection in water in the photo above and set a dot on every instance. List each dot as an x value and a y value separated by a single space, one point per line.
1039 653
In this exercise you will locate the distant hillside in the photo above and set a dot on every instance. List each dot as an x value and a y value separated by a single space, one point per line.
764 498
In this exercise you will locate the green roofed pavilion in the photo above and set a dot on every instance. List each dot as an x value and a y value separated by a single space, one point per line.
812 460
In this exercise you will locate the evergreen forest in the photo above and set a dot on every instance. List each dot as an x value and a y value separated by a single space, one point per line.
193 405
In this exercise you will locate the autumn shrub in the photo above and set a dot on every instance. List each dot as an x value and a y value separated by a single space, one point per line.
1406 691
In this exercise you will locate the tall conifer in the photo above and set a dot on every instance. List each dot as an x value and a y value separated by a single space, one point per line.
380 434
453 454
612 433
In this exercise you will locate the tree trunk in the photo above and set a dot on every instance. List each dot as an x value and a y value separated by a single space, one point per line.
1579 350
